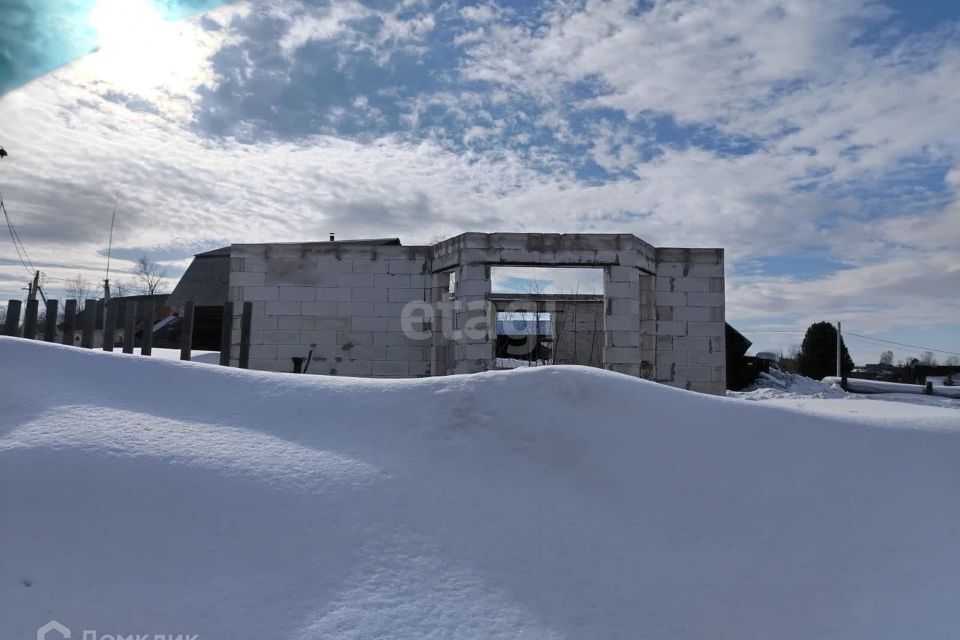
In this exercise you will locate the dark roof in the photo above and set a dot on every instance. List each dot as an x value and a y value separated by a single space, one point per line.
736 342
158 299
206 281
222 251
379 242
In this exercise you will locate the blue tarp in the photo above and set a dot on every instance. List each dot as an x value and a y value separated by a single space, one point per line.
523 327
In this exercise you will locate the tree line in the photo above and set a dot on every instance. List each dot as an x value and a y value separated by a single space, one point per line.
816 357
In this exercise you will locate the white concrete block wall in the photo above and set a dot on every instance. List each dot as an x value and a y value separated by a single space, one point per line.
474 320
663 314
343 302
689 319
621 290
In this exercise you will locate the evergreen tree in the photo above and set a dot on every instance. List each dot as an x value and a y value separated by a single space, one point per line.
818 353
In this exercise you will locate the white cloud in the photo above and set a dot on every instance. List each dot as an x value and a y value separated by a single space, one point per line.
479 13
759 69
826 115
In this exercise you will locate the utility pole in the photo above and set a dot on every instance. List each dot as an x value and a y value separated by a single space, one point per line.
106 280
838 349
33 287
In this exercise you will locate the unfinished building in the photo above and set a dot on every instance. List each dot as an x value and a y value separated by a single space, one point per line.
377 308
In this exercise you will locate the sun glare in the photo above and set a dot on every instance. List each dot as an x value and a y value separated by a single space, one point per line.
140 50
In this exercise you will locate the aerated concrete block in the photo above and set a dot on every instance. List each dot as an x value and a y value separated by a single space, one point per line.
261 293
319 309
298 293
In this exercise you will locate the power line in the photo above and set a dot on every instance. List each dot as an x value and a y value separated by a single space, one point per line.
756 331
900 344
848 333
17 242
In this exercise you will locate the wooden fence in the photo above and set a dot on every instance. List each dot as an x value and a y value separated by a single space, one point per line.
30 330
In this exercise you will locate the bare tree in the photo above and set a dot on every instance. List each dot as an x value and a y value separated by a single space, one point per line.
536 287
928 359
149 276
788 361
886 357
79 290
952 361
437 238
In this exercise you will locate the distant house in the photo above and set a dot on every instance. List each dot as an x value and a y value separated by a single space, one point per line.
524 339
742 369
939 375
122 302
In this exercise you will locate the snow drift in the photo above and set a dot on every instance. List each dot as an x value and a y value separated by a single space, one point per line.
144 496
783 384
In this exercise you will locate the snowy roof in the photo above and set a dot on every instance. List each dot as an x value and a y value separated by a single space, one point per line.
522 327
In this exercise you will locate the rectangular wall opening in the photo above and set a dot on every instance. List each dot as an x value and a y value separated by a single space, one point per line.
547 280
548 315
524 339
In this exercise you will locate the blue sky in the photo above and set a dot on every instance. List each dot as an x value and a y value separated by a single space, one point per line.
815 140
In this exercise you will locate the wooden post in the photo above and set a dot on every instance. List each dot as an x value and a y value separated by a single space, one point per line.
186 332
146 340
129 326
89 323
69 321
245 322
12 325
30 319
110 324
226 334
928 389
50 326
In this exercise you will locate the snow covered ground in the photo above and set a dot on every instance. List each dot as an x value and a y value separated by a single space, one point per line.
783 387
151 496
208 357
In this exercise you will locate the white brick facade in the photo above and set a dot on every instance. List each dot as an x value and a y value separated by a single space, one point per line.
663 312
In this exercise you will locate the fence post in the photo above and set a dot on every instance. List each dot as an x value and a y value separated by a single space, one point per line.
30 319
928 389
186 333
110 324
245 323
89 323
69 321
12 326
226 334
50 328
146 340
129 326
